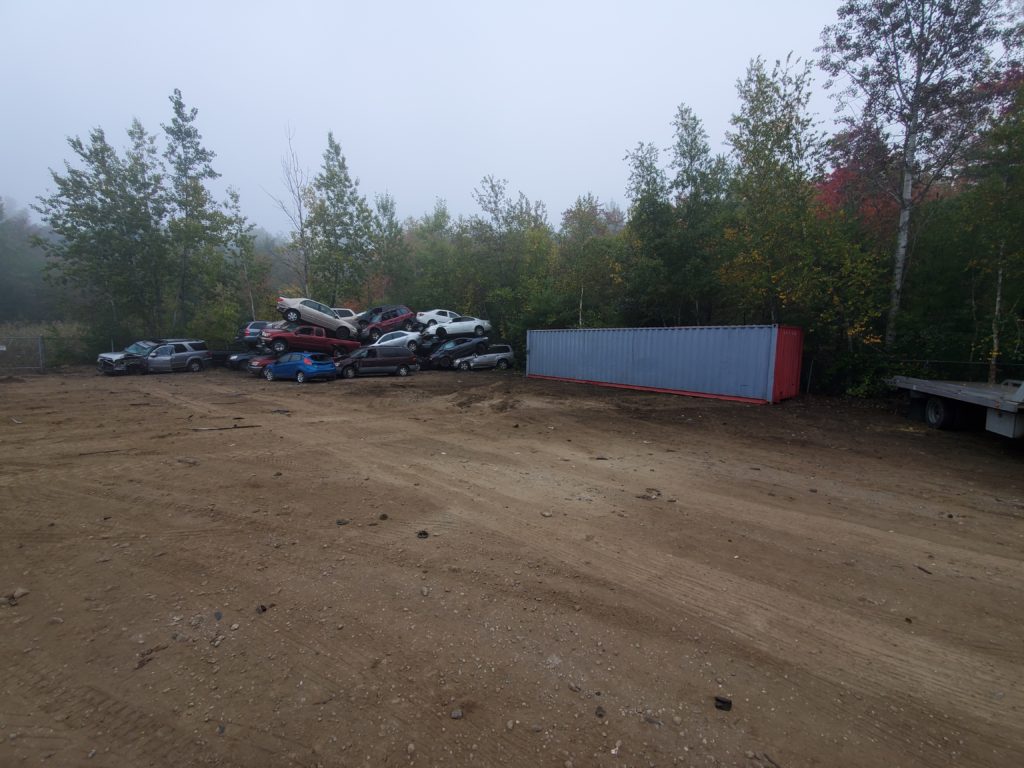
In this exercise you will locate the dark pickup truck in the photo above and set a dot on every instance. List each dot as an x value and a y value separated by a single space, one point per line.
304 338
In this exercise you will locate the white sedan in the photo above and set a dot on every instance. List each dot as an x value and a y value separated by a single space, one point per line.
464 325
436 317
408 339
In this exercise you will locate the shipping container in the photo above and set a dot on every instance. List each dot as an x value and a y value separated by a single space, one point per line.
748 363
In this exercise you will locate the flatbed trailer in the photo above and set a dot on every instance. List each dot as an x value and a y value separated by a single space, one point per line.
1003 403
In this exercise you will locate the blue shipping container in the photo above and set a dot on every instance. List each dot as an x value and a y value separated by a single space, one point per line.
751 363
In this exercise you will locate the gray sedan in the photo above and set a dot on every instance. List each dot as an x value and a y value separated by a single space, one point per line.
408 339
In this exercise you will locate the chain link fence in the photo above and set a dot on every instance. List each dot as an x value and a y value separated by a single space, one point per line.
27 353
42 353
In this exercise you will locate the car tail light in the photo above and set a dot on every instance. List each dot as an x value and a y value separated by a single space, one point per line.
307 361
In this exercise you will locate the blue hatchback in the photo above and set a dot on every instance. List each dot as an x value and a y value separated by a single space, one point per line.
301 366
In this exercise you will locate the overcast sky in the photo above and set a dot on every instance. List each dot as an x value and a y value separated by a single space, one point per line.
426 98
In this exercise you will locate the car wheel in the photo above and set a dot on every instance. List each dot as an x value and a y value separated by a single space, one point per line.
431 322
374 335
441 333
268 374
195 366
478 331
413 346
279 346
464 365
300 377
939 413
502 365
292 316
444 362
348 372
343 332
407 325
403 370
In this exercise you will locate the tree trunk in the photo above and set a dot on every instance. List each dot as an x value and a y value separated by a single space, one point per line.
179 309
899 259
994 358
248 289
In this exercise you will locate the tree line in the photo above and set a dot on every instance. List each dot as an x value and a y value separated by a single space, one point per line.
898 237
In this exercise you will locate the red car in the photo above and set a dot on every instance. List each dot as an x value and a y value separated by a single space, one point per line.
304 338
256 365
374 323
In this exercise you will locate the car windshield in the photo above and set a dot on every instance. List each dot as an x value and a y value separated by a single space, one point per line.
139 348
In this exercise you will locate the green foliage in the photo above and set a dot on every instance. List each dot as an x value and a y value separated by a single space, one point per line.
110 247
138 241
773 247
194 227
967 291
139 245
921 73
341 231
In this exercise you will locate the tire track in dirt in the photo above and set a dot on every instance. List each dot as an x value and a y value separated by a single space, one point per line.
606 563
130 733
871 662
746 611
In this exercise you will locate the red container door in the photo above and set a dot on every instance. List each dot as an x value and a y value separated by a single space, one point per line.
789 350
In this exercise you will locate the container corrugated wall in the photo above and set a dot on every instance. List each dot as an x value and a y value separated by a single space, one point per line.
752 363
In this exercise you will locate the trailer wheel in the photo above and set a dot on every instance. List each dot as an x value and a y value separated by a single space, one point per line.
939 413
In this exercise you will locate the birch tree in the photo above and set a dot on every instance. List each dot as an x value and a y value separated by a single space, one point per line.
918 71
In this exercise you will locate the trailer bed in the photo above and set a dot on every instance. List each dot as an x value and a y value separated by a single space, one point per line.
1002 402
1003 397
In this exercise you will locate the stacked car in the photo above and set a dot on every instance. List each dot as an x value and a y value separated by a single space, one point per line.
498 356
374 323
316 341
315 313
395 361
301 366
282 337
464 325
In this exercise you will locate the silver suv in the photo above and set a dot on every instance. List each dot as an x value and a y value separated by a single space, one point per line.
152 355
131 359
179 355
498 356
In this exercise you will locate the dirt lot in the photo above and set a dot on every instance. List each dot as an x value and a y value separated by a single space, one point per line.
226 571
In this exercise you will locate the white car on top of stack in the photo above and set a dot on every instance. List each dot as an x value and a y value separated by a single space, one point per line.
463 325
